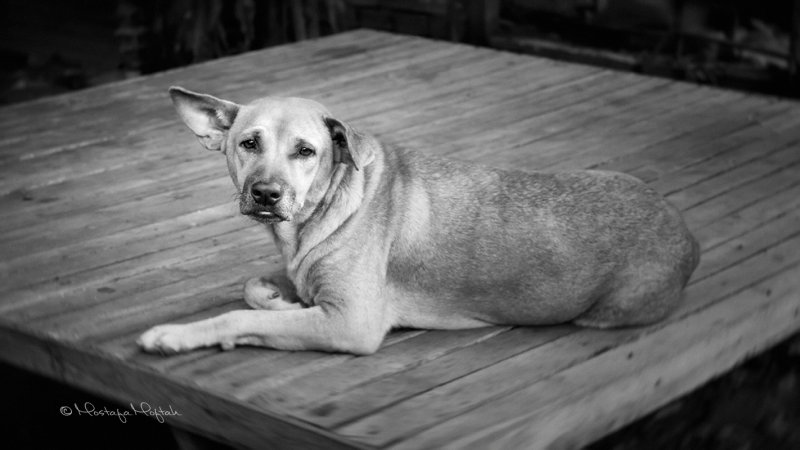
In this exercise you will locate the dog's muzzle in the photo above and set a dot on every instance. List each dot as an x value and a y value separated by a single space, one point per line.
266 194
262 202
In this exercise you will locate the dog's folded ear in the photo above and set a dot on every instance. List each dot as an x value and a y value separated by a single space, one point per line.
207 116
350 146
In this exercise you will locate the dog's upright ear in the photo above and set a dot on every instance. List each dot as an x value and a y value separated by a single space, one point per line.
350 146
207 116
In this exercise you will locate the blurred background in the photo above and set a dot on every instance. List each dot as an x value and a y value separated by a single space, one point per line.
49 47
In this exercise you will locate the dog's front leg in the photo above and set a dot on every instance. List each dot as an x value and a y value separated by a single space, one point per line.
316 328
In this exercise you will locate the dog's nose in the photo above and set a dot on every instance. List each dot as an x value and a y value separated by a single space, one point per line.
266 194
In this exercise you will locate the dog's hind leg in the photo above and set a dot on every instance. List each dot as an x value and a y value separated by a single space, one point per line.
636 299
275 292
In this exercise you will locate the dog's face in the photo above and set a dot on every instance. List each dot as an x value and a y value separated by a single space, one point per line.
281 152
276 151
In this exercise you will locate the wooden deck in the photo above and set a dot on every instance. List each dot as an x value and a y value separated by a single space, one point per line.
114 220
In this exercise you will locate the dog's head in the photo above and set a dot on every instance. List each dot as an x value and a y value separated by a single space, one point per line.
281 152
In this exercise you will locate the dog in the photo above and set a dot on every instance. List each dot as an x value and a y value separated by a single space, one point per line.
375 238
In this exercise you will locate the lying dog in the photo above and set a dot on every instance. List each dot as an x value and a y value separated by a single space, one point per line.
375 238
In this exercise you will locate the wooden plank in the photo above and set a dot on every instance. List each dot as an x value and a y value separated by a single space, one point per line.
307 387
569 113
125 184
118 235
518 144
686 123
472 101
221 218
519 99
753 215
692 130
218 193
787 122
125 277
463 394
679 158
747 245
728 158
94 158
333 409
740 197
146 308
410 125
581 149
756 169
430 81
489 121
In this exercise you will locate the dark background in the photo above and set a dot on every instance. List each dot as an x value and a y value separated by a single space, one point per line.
48 47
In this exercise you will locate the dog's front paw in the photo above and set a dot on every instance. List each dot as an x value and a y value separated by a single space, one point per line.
259 293
168 339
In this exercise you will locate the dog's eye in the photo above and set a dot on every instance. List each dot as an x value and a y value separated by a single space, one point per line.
249 144
305 151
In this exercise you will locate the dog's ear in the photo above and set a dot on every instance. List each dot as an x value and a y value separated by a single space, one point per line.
207 116
350 146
